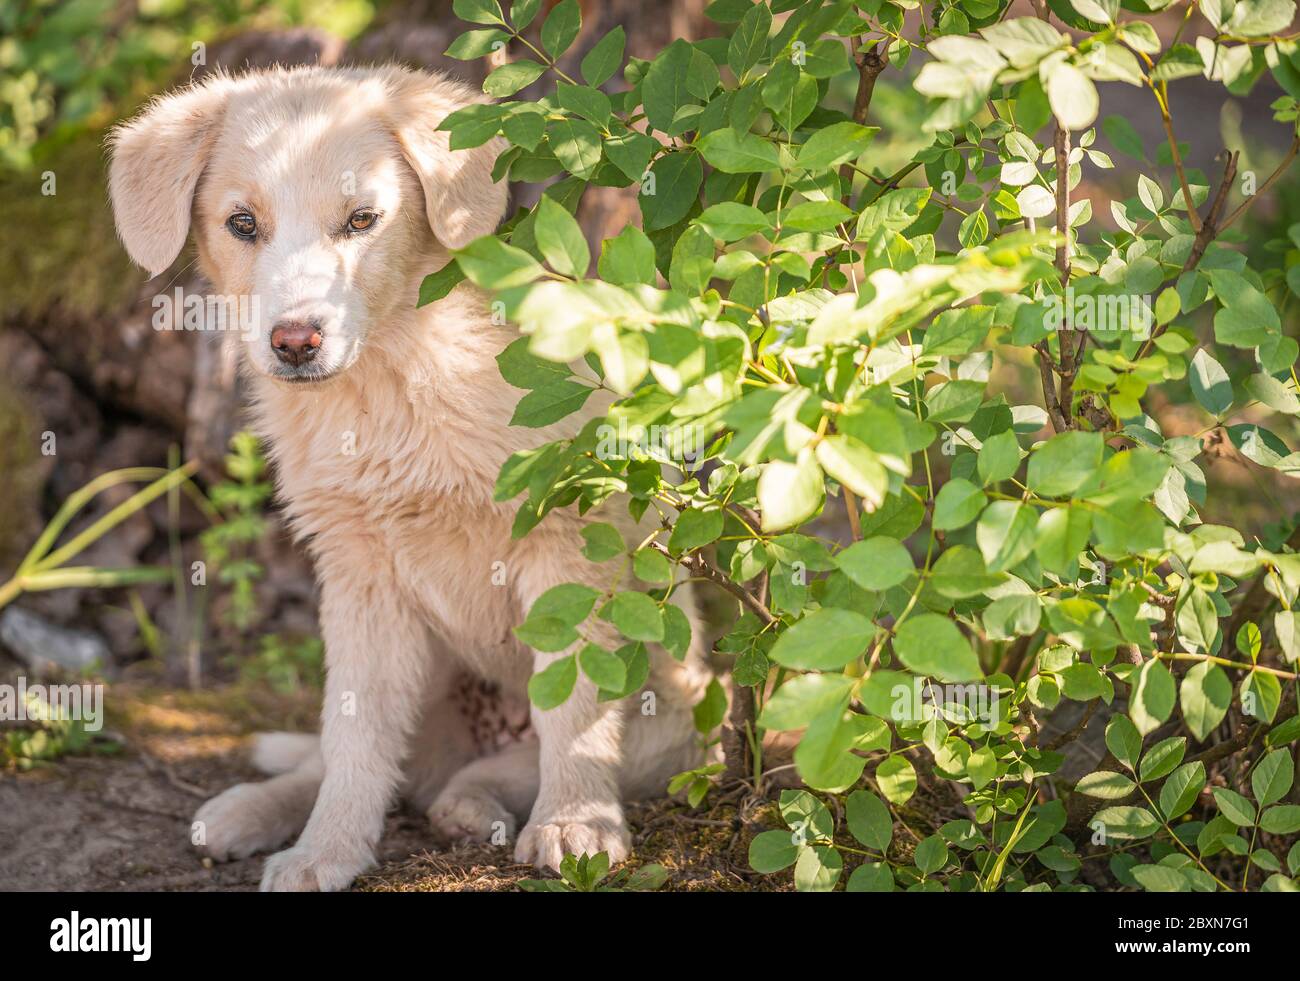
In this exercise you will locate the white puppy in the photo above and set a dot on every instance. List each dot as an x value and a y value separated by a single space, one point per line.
327 196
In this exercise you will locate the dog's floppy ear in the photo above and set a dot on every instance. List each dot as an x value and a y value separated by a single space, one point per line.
157 158
460 197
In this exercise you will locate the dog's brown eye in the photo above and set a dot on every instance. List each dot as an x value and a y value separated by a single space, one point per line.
362 221
242 225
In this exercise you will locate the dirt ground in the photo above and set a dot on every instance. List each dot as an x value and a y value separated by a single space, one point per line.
120 820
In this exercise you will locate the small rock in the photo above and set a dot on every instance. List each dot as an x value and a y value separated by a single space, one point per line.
44 646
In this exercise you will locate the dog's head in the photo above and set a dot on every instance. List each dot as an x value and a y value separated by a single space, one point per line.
318 199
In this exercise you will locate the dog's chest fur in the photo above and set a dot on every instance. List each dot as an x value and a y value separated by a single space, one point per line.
400 456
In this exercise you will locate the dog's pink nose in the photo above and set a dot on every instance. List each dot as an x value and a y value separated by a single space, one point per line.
295 342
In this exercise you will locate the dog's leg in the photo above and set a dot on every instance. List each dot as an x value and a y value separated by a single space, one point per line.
443 745
256 817
578 808
376 659
486 800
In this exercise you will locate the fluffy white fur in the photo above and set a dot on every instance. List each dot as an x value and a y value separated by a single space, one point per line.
386 449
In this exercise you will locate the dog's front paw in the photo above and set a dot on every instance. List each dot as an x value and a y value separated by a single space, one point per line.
309 868
474 816
545 843
242 820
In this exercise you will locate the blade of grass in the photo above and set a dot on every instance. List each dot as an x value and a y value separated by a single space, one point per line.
136 502
77 500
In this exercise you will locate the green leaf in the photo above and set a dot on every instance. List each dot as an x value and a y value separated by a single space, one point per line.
749 40
876 564
816 216
772 851
550 403
1181 790
437 285
959 331
856 466
958 503
790 493
1083 682
824 640
871 877
1153 696
1261 694
636 615
677 179
544 633
522 369
932 645
551 686
602 61
1281 820
664 88
677 632
1160 878
569 602
1128 476
1005 534
1062 535
560 238
1209 383
731 220
712 708
476 44
1205 694
1127 823
896 778
1162 758
561 27
603 542
954 401
1015 615
1072 95
869 820
494 265
591 104
695 528
1123 740
982 767
817 869
801 699
835 144
524 129
1234 807
576 144
478 11
823 757
931 854
1106 784
1060 466
605 669
627 259
1272 777
738 153
509 78
651 566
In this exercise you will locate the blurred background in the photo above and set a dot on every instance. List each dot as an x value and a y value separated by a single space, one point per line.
194 606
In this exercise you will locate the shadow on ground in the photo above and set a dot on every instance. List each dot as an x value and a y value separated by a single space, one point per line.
119 819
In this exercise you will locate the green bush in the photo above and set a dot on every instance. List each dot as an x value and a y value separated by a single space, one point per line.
790 325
